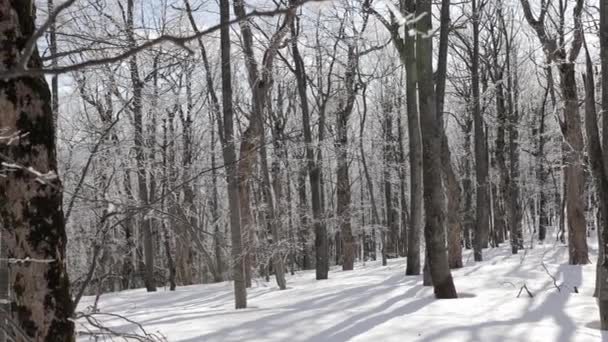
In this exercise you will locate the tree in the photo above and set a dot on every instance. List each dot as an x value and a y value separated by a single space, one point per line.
345 109
312 164
597 155
482 215
434 231
31 214
555 50
238 274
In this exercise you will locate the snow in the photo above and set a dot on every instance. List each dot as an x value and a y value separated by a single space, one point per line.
375 303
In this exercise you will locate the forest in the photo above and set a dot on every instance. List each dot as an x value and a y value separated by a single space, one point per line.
303 170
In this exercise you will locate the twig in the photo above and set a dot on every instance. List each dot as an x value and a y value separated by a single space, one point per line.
524 287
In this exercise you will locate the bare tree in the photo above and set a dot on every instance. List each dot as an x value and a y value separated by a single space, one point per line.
555 50
238 274
434 232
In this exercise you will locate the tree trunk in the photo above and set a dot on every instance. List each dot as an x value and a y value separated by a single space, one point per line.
597 163
167 184
304 230
140 157
321 240
574 173
392 241
434 231
514 207
541 174
343 189
402 180
452 187
415 150
238 275
31 216
481 162
467 186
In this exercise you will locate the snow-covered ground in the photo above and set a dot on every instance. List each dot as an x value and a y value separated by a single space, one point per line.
375 303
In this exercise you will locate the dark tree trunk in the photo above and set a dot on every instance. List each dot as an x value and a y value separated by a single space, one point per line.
167 184
392 241
408 58
402 186
597 163
31 214
453 195
541 173
482 215
599 166
140 156
314 170
514 207
344 213
431 130
240 291
304 230
467 187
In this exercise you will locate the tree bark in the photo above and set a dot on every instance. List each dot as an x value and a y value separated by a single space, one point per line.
140 156
314 171
343 212
597 163
482 214
240 291
408 58
434 231
577 226
392 241
31 214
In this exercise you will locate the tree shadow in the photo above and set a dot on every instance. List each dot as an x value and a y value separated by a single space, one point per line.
352 299
553 305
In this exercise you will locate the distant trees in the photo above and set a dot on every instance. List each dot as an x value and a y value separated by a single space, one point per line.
351 140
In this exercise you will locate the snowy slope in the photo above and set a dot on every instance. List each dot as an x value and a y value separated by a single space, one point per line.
375 303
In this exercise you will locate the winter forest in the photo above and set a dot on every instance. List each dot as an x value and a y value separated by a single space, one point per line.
303 170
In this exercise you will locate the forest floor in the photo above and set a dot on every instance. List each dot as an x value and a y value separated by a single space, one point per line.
375 303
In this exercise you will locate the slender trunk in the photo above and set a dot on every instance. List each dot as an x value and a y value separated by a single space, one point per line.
402 193
392 241
453 194
467 187
53 51
602 264
304 229
415 149
543 220
481 163
597 163
375 220
166 236
240 291
218 238
514 207
502 194
140 155
321 241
